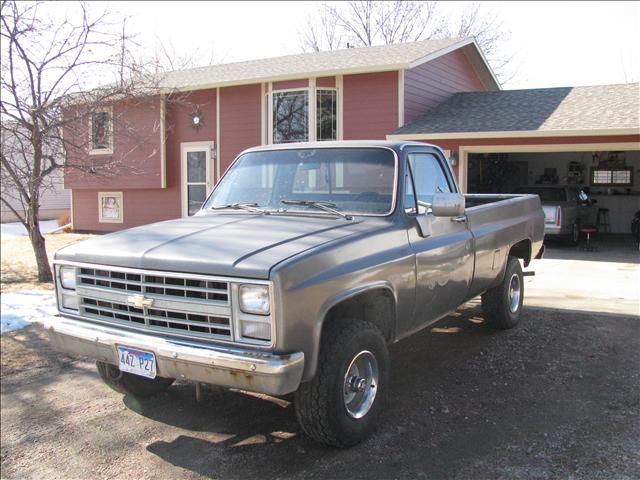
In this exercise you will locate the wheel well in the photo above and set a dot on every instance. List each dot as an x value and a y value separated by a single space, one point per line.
374 306
522 250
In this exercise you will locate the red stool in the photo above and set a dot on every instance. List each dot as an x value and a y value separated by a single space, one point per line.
589 230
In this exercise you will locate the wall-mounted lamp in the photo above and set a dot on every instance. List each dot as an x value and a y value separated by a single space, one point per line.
452 156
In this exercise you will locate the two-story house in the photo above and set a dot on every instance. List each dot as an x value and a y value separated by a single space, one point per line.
188 135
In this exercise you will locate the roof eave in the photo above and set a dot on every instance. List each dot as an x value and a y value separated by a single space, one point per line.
515 134
344 71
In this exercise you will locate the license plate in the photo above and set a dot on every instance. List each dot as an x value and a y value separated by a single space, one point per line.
137 362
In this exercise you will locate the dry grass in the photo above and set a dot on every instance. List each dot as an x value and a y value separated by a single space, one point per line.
18 263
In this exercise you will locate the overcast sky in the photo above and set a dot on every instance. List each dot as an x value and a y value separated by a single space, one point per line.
554 43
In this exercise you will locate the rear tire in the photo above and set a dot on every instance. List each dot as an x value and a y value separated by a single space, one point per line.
129 384
501 305
343 403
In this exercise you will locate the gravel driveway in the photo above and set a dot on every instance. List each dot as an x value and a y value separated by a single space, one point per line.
557 397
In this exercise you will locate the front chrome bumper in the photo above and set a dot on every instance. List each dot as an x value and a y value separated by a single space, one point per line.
250 370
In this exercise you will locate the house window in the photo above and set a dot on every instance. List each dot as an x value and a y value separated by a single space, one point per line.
294 121
291 116
101 127
327 115
621 176
111 207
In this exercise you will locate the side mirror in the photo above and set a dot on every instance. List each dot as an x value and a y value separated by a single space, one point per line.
448 205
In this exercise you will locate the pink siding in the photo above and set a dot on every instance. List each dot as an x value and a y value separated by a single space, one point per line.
240 123
287 84
326 82
152 205
135 161
140 207
180 129
370 105
431 83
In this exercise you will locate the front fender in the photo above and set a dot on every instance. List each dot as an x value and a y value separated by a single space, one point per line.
311 361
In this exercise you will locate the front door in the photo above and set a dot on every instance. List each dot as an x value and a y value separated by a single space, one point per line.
197 174
444 258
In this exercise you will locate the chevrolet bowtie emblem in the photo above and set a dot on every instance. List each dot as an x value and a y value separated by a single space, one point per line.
139 301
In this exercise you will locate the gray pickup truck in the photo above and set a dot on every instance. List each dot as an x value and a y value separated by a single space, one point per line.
303 265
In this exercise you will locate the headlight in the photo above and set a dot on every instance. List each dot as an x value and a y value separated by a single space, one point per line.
255 299
68 278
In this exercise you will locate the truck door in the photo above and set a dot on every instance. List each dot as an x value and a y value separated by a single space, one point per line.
444 258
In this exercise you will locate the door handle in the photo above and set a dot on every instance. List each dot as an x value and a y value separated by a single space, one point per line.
461 219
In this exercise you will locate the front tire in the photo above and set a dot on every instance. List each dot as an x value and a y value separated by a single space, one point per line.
129 384
501 305
343 403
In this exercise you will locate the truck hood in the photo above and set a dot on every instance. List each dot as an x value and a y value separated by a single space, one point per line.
238 245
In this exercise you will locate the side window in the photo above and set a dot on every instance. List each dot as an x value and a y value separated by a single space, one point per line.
409 196
428 176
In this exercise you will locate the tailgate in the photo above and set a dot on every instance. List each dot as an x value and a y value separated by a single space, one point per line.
551 214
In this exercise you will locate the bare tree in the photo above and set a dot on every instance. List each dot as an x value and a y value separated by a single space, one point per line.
359 23
51 64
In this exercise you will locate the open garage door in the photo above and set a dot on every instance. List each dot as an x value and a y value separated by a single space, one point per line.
609 174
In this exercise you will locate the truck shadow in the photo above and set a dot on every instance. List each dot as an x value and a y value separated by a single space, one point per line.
461 396
234 435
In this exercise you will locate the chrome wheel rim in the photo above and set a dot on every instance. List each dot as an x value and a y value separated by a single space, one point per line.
360 384
514 293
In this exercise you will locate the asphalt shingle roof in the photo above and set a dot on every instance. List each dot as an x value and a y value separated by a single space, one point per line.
291 66
599 107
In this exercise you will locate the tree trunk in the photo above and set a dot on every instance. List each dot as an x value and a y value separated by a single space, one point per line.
39 248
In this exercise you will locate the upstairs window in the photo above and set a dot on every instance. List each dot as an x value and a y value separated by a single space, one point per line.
101 132
291 116
293 119
327 115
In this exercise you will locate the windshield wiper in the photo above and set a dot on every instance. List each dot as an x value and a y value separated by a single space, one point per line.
248 206
326 206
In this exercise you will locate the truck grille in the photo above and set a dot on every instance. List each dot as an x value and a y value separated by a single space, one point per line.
192 306
181 287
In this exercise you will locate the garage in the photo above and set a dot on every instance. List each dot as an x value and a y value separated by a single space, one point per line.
555 142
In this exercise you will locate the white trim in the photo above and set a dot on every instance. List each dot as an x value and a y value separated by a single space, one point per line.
263 113
270 113
465 150
313 104
463 170
101 218
340 88
513 134
486 63
439 53
186 147
101 151
71 206
163 142
217 172
400 98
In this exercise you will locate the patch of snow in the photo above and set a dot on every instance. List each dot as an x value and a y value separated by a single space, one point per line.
13 230
19 309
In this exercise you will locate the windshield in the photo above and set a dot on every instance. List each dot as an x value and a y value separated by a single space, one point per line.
349 180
